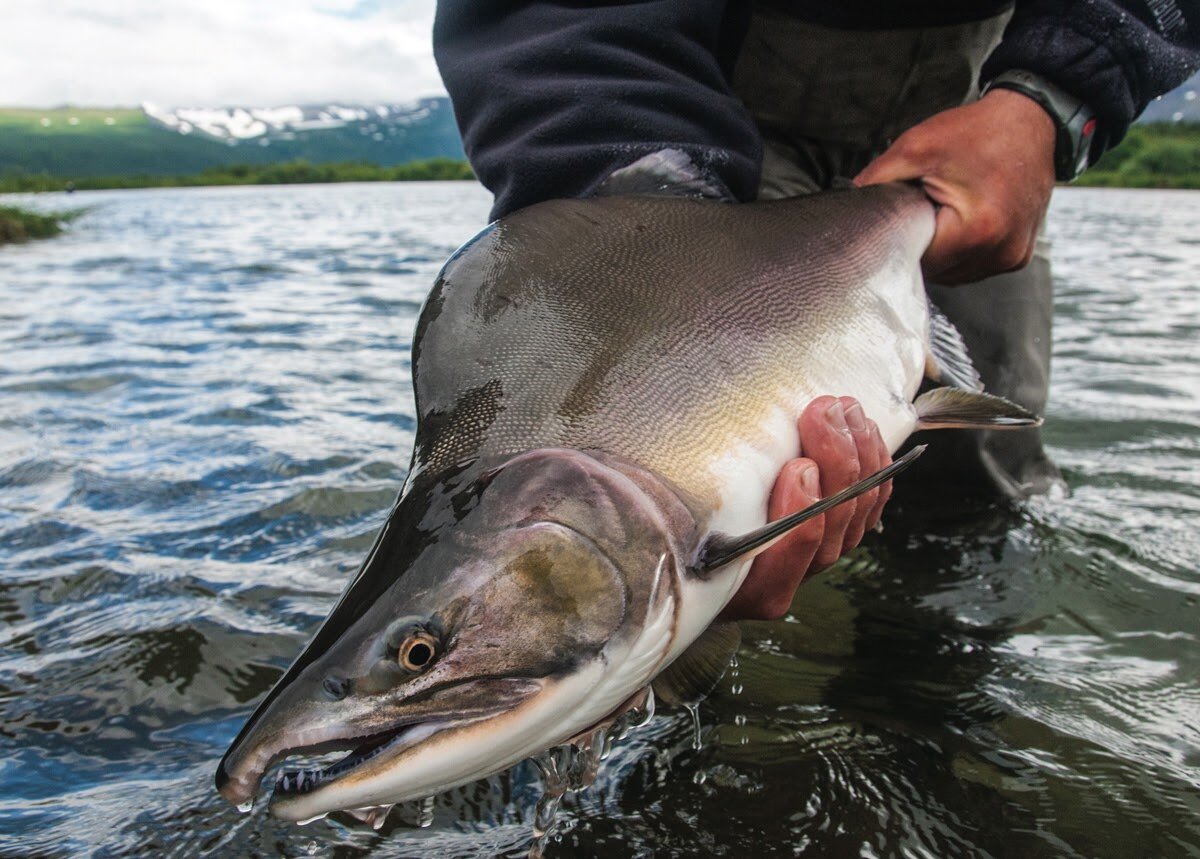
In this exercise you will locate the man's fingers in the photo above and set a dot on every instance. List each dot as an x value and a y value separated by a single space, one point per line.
841 446
989 165
957 253
868 463
944 253
885 491
825 437
776 573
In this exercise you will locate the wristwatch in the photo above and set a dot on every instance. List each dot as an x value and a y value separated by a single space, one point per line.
1074 121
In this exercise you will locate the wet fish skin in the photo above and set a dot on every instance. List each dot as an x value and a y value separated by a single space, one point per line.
603 385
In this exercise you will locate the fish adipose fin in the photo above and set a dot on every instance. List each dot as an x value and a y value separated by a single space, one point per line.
668 171
720 549
696 672
948 361
947 408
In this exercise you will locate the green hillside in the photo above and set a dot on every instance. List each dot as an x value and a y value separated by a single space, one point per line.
100 142
284 173
74 143
1157 155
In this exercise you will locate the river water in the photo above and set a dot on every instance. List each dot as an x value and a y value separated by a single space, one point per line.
205 413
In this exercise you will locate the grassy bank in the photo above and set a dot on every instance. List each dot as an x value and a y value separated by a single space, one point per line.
1162 155
286 173
18 225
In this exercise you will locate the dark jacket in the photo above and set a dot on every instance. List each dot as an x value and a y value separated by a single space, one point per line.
551 97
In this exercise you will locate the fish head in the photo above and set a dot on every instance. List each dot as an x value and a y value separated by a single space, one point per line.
489 637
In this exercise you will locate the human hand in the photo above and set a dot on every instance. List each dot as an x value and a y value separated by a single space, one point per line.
990 166
841 446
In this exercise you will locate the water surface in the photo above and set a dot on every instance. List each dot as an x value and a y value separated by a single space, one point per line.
205 413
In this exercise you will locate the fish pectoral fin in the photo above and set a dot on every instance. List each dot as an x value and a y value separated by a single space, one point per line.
947 360
669 172
720 549
946 408
696 672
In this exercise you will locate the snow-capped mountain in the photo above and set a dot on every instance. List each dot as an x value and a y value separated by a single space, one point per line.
234 124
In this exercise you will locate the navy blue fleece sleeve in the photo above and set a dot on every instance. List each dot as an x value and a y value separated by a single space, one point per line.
1115 56
551 97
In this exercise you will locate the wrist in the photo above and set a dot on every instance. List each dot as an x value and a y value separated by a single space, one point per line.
1024 131
1073 122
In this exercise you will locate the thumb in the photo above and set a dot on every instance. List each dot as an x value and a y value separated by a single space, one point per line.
892 166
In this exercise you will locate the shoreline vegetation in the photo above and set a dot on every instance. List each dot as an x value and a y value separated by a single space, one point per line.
19 225
1156 155
297 172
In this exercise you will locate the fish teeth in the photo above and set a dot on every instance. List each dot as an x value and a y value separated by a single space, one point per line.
298 781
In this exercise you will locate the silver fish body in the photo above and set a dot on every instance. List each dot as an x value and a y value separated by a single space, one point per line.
603 385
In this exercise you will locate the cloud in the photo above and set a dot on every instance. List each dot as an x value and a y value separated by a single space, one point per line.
215 52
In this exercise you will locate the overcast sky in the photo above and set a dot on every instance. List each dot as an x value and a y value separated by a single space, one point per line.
185 53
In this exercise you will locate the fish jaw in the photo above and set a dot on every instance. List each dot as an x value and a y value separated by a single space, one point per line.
417 761
239 776
449 755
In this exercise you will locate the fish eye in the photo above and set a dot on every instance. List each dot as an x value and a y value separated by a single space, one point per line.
417 651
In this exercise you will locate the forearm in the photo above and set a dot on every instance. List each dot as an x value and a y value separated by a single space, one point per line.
551 97
1115 55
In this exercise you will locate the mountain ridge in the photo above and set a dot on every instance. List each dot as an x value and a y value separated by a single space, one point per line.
152 141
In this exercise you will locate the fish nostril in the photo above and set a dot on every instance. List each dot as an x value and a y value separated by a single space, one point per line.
337 687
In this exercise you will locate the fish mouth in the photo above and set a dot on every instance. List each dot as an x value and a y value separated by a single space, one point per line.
293 783
305 789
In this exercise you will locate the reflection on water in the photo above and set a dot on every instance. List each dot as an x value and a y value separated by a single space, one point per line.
205 411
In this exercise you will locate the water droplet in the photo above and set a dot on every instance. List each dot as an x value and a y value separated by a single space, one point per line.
247 806
574 766
554 765
739 719
694 710
424 813
376 820
736 689
646 710
699 777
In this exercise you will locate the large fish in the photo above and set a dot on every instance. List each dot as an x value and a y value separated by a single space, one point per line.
607 390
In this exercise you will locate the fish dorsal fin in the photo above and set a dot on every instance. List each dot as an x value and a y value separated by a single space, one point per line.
948 408
698 670
720 549
948 361
668 172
